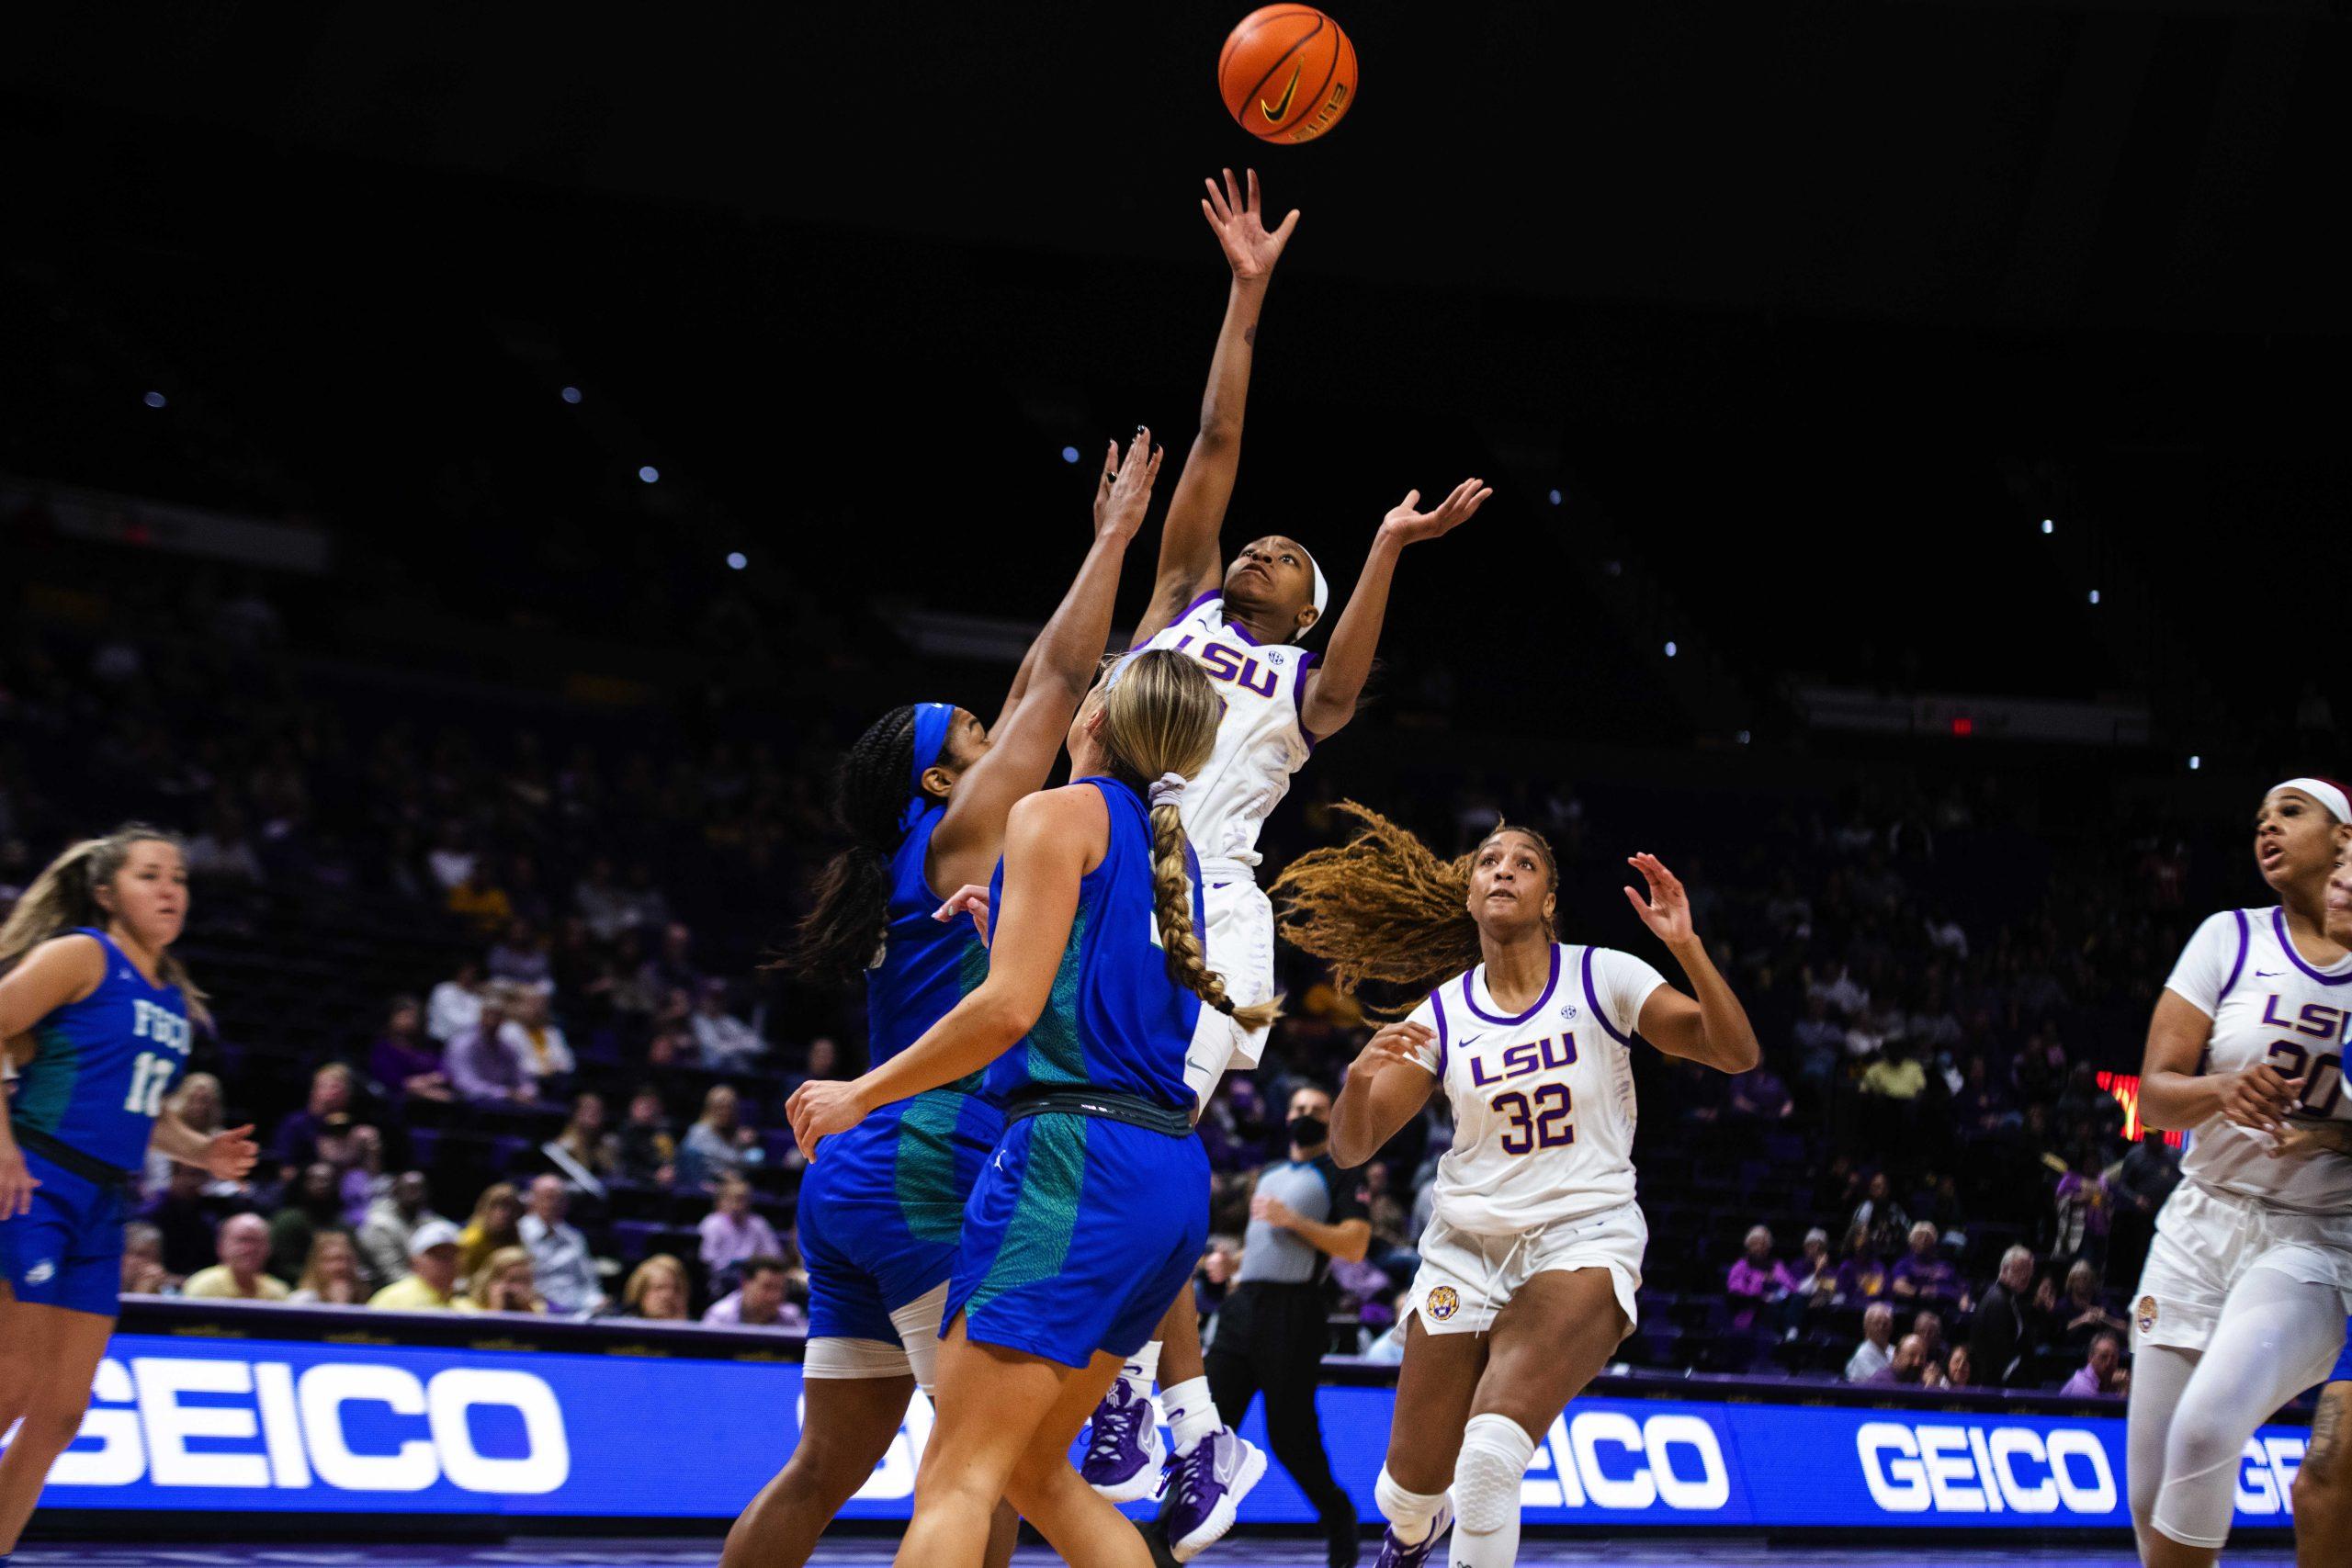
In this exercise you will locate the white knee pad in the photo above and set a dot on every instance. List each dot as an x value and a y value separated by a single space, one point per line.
835 1357
918 1323
1495 1454
1409 1512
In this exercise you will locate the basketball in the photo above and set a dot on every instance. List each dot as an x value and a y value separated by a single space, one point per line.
1288 73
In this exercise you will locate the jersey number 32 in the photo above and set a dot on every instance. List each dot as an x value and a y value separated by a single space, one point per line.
1539 1121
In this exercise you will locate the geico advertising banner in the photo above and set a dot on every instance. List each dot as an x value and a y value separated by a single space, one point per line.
304 1427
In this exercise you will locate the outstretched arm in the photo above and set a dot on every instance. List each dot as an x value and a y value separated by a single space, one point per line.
1714 1028
1334 686
227 1155
1190 558
1048 844
1053 678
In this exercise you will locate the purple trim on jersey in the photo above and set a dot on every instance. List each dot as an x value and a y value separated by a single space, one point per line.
2246 935
1597 1010
1469 993
1226 624
1212 593
1437 1001
1298 699
2278 924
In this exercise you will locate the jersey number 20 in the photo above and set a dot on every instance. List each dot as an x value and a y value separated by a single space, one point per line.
148 1077
1539 1122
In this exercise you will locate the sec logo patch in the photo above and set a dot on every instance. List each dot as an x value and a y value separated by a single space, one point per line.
1443 1304
2146 1314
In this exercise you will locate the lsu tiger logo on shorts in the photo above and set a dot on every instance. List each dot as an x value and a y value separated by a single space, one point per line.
1443 1304
2146 1314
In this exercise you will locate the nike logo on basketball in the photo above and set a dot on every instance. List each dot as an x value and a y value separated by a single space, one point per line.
1277 113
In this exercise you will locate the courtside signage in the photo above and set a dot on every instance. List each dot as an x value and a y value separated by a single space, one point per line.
305 1427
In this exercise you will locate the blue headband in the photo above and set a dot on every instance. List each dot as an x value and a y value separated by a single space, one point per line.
931 735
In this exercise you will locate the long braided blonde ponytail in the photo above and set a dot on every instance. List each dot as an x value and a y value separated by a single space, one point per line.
1160 717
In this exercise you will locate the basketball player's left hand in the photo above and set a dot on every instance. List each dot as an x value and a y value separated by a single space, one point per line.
1668 910
1407 524
1124 492
821 1108
1249 248
230 1154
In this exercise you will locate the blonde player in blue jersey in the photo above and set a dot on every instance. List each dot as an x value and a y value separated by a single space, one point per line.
925 794
2242 1303
1094 1209
94 1009
1242 620
1533 1250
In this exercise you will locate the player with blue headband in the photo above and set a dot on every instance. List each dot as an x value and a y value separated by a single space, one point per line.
923 797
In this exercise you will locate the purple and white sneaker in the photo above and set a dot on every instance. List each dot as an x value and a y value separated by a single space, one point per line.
1394 1554
1124 1452
1205 1488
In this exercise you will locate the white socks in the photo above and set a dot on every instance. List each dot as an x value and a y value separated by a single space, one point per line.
1410 1515
1142 1371
1191 1413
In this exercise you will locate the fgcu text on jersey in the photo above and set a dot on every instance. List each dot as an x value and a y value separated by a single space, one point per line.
102 1066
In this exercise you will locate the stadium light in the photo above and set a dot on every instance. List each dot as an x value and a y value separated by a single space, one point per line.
571 394
737 559
648 473
2195 763
2048 527
153 400
2093 595
1553 497
1670 650
1069 453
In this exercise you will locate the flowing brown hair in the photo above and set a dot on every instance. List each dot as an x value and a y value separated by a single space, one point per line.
1382 909
1160 717
64 898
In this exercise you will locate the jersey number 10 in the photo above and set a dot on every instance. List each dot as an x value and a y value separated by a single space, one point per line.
1539 1122
148 1077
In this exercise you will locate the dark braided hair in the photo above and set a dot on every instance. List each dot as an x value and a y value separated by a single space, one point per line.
840 937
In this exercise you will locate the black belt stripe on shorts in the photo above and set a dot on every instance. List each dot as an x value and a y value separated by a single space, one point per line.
1133 1109
65 1157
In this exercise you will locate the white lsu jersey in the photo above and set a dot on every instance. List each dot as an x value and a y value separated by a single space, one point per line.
1542 1101
1260 744
2268 1003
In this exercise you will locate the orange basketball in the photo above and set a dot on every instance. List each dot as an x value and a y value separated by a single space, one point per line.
1288 73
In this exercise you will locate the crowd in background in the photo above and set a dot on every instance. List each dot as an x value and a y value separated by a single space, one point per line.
567 1097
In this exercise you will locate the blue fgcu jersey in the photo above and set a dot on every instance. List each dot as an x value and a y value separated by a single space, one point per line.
102 1066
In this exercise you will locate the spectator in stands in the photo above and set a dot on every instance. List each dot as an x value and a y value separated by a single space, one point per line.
2138 1187
406 1060
759 1301
197 1102
1981 1106
648 1152
535 1040
1872 1355
315 1203
732 1232
483 1067
2078 1317
431 1282
503 1283
143 1273
496 1222
671 967
656 1291
241 1275
1960 1371
2080 1203
222 851
1862 1274
454 1006
1925 1274
1907 1367
2102 1371
560 1264
1882 1217
718 1144
187 1219
724 1043
2000 1339
1928 1327
479 901
1897 1076
1753 1279
1821 1047
391 1220
602 904
584 1151
331 1274
450 861
296 1144
1220 1264
520 958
